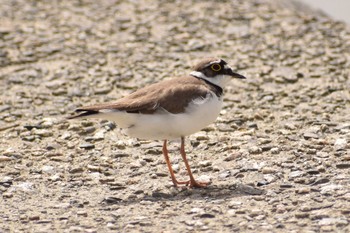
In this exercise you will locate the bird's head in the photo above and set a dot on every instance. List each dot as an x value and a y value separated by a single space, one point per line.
214 70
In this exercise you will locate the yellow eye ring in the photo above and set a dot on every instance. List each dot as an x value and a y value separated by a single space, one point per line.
216 67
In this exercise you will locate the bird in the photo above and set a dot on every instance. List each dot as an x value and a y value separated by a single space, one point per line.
170 109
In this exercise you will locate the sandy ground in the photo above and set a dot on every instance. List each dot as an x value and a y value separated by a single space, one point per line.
278 157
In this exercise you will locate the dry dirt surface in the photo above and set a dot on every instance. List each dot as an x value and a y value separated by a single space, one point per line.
278 157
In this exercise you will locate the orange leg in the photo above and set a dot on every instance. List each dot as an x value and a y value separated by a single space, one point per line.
192 181
167 160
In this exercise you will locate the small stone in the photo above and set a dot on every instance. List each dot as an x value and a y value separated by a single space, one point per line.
201 136
120 154
268 170
286 186
7 195
284 74
302 215
205 163
343 165
47 122
295 174
66 135
340 144
25 186
112 200
204 179
42 132
255 150
256 212
321 181
309 135
143 162
275 150
303 190
5 158
87 146
89 129
48 169
330 188
82 213
76 170
223 175
55 178
249 189
34 218
93 168
103 90
234 204
327 228
99 135
290 126
53 146
197 211
206 215
333 221
252 125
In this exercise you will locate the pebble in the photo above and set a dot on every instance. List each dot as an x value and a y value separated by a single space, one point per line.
66 136
53 146
7 195
333 221
205 163
89 130
197 211
255 150
25 186
286 186
93 168
268 170
296 174
275 150
343 165
256 212
42 132
340 144
204 178
99 135
201 136
309 135
48 169
76 170
87 146
330 188
223 175
47 122
303 190
5 158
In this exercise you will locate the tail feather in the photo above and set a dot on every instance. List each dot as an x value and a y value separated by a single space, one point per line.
83 114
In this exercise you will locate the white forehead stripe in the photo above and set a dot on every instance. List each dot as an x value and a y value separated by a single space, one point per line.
213 62
217 61
198 75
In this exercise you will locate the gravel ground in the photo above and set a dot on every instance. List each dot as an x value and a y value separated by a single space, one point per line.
278 156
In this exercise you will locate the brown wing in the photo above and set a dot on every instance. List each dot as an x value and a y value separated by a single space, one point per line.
171 95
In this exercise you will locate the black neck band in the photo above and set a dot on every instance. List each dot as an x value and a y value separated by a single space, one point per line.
218 89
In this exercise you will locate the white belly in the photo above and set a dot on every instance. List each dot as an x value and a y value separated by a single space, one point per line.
164 125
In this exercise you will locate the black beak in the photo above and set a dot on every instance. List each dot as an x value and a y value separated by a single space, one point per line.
230 72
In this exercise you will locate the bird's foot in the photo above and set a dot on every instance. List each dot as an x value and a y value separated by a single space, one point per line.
191 184
196 184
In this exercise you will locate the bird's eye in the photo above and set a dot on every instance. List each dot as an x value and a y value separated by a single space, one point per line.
216 67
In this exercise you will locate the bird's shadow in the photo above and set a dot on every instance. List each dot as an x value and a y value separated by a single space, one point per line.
213 192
